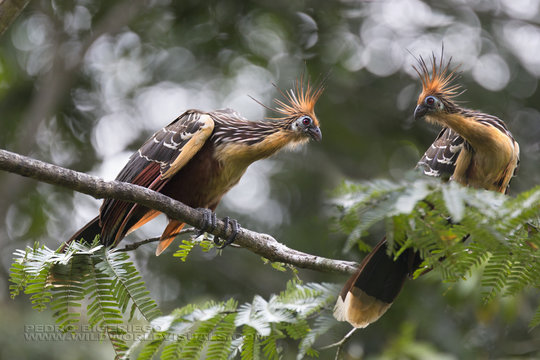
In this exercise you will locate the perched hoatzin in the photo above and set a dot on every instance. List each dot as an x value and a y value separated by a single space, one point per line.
198 157
473 148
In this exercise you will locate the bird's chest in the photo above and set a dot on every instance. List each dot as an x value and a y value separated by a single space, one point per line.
224 177
205 179
479 170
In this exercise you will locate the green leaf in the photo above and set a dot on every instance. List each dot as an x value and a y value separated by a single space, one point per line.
251 347
222 337
184 249
128 285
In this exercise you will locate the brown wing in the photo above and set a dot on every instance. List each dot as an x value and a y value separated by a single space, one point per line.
152 166
440 159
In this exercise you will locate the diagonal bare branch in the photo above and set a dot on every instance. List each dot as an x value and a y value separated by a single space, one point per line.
260 244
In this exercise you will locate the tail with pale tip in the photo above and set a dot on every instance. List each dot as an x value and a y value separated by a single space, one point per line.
369 293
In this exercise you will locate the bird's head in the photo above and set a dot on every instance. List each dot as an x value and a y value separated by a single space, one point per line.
298 111
438 90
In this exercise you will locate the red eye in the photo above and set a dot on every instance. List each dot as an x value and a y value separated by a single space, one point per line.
306 121
430 100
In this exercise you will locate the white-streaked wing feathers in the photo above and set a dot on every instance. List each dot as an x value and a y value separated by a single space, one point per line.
174 145
440 159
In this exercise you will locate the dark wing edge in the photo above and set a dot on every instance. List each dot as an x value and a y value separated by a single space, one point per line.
152 166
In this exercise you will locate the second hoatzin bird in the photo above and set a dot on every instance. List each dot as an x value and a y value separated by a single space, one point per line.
198 157
473 148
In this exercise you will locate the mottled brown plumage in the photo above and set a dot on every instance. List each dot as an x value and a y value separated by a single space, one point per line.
198 157
473 148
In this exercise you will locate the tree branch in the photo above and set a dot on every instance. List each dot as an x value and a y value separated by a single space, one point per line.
9 11
261 244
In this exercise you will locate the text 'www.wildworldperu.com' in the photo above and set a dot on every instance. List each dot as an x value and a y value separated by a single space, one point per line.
98 333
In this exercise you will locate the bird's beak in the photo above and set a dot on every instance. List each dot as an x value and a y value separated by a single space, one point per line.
315 133
420 111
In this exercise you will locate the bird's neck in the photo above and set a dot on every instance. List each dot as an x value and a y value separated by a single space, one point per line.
483 132
246 141
237 148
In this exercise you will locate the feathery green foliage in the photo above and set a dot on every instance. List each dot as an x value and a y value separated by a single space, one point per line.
251 330
128 285
105 281
184 249
455 229
69 291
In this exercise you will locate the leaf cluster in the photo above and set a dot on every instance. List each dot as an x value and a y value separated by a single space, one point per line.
250 331
105 282
454 228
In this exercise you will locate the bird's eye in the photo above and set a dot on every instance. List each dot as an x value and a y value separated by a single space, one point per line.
306 120
430 100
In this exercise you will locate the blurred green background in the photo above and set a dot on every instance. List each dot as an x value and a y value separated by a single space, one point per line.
83 83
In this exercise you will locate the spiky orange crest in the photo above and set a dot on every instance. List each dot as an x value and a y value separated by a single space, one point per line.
439 81
298 101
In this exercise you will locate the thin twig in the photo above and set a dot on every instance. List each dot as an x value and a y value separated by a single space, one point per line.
136 245
340 343
260 244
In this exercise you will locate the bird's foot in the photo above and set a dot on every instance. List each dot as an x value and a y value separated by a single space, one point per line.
209 224
235 227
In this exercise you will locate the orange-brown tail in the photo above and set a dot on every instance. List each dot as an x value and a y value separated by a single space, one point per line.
170 232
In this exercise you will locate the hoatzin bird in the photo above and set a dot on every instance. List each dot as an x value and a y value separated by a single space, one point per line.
473 148
198 157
